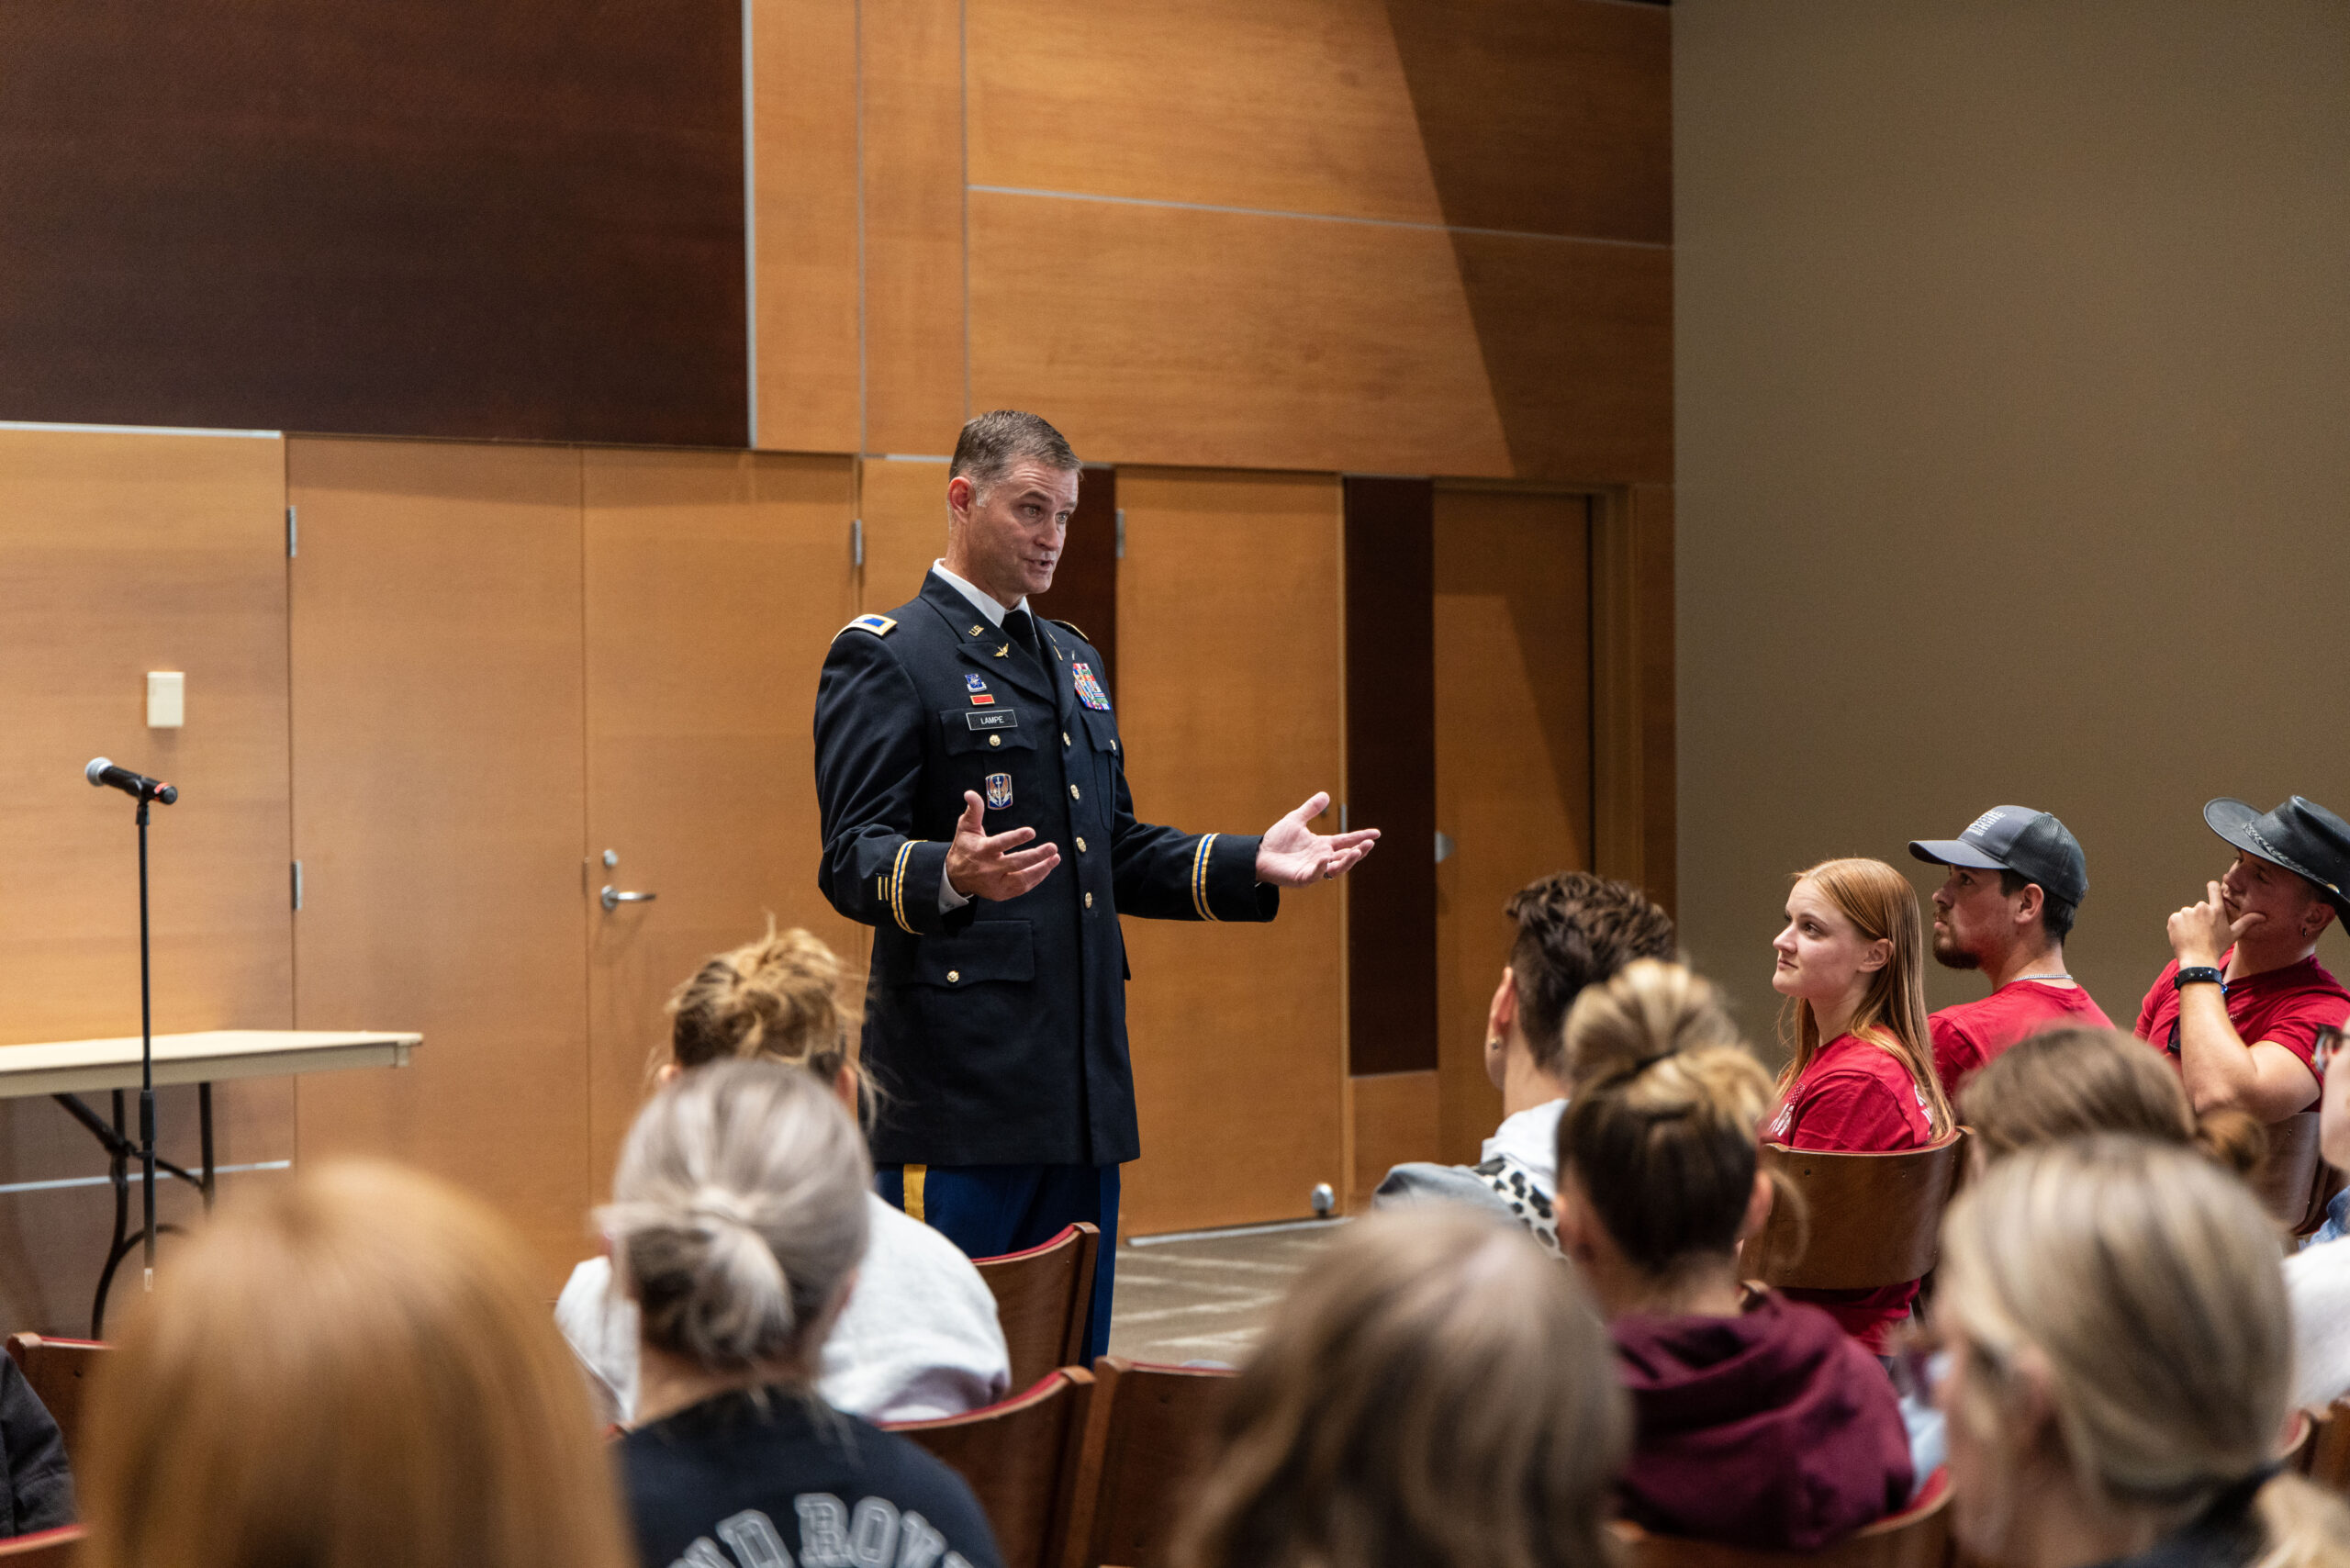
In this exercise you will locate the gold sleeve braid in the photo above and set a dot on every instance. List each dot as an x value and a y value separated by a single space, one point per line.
1199 876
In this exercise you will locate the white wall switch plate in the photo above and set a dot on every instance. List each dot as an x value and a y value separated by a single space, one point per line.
166 699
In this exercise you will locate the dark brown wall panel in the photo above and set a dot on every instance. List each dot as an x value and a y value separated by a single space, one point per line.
1391 773
1085 583
414 217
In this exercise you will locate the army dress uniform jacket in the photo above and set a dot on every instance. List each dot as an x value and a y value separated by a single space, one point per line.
997 1031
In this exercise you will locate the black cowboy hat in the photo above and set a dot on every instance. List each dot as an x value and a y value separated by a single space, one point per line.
2300 836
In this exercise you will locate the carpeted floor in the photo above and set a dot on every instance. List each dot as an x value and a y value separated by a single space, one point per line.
1205 1300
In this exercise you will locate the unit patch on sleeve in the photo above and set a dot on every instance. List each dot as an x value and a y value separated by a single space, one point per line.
1089 690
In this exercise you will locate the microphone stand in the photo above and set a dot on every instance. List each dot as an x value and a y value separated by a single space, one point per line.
146 1050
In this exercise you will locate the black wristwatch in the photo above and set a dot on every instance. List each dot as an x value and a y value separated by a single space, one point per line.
2200 974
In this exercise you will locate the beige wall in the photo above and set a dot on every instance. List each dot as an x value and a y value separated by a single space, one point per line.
2013 370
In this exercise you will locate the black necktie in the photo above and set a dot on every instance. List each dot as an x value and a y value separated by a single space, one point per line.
1024 632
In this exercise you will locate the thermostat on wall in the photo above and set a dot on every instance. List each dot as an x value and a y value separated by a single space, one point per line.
166 699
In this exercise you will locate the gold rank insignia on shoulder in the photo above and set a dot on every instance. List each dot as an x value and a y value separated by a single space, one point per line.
879 625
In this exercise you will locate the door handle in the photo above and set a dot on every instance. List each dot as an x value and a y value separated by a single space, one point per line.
612 898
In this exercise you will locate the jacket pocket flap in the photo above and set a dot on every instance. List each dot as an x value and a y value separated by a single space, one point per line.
987 950
996 730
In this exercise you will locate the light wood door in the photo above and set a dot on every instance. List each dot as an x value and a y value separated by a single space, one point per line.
1513 752
440 811
123 552
1231 660
714 583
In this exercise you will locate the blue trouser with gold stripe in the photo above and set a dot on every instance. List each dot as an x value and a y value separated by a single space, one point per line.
989 1210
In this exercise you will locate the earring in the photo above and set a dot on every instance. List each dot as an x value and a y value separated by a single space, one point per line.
1493 1042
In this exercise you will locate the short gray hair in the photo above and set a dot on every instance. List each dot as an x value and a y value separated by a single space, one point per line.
738 1211
991 443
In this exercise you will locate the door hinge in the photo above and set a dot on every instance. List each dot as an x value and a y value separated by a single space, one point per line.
297 886
1119 548
856 541
293 535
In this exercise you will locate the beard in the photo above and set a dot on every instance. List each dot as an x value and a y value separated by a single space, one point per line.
1951 955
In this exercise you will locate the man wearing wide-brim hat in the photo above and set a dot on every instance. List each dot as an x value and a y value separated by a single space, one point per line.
2240 1004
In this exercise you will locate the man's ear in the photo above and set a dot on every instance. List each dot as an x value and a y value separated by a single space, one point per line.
959 495
2030 902
1504 1010
668 1072
2316 918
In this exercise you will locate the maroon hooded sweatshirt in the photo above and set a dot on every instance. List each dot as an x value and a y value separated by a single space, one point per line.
1773 1429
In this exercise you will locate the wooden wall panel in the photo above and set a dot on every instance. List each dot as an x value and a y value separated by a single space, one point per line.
1391 1119
1533 116
1634 780
125 553
1390 775
440 813
1513 751
916 374
1230 704
714 584
415 217
810 375
904 508
1172 335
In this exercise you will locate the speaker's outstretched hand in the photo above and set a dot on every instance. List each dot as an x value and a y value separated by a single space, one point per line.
979 867
1292 854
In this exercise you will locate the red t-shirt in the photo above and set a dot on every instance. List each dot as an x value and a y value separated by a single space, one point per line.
1856 1096
2286 1007
1967 1036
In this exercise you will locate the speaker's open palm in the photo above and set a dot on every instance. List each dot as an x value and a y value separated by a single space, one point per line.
1292 854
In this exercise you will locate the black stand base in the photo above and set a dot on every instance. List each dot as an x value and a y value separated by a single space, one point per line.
121 1150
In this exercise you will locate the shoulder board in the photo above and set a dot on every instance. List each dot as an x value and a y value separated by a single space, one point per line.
879 625
1072 626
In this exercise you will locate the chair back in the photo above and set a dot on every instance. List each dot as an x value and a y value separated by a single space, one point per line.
1868 1220
2325 1458
43 1549
58 1371
2293 1181
1021 1457
1149 1436
1918 1536
1044 1298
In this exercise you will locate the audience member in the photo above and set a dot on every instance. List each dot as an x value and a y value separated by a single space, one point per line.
739 1215
36 1484
1574 930
2065 1083
919 1338
1758 1421
348 1368
1851 963
1435 1392
2317 1278
2120 1360
2011 926
2239 1003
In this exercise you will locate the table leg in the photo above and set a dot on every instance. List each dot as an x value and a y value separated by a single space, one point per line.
118 1172
204 1115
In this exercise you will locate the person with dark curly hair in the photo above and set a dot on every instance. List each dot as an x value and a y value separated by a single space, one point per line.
1575 930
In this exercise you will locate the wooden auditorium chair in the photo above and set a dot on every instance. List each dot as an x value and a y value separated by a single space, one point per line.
1150 1430
43 1549
1918 1536
1043 1297
1867 1220
2325 1456
1022 1457
2294 1182
58 1371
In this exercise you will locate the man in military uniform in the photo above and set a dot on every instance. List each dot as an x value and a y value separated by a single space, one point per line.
965 751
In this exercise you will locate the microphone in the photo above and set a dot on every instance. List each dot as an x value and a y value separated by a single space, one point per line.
102 770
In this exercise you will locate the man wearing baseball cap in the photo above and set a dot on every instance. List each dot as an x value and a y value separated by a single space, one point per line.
2240 1005
2017 878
